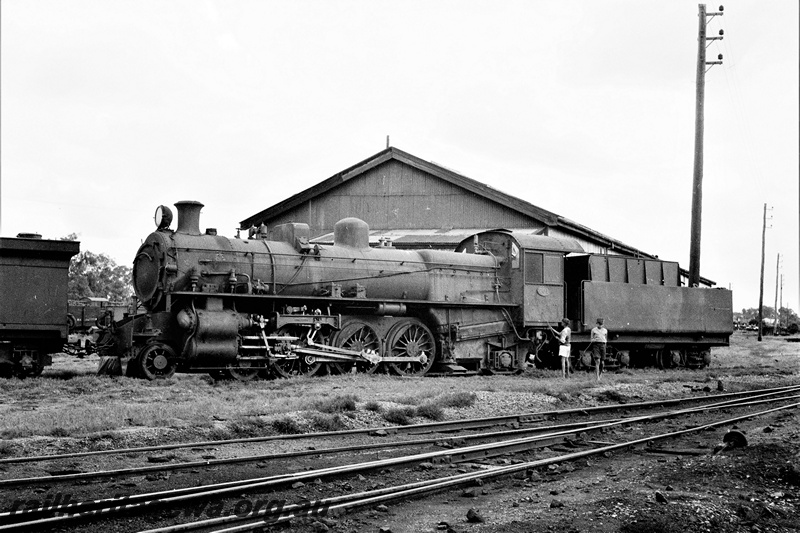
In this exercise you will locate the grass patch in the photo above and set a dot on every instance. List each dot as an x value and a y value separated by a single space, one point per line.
400 416
407 400
611 396
373 406
247 427
286 426
337 404
327 422
457 399
6 448
431 411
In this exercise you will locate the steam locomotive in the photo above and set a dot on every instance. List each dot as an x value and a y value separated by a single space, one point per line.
276 304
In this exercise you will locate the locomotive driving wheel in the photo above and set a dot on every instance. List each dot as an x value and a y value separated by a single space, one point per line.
411 338
156 361
304 365
357 336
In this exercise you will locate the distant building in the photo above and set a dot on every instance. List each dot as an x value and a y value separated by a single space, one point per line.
418 204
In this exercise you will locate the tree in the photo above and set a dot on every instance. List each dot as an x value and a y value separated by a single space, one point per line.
97 275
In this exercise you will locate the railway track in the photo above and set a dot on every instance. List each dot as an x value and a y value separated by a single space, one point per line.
429 427
439 427
350 502
500 443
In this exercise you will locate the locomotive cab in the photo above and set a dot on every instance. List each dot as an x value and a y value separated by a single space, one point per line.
532 271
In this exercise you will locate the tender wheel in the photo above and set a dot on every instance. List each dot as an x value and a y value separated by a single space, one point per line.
614 359
678 358
583 360
622 358
411 338
661 358
357 336
304 365
156 361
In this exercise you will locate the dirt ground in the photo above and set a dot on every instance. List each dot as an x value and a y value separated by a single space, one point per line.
755 488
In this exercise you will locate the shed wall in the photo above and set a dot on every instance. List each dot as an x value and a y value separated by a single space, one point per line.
396 196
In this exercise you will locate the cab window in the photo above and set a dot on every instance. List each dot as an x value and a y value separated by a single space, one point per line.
544 268
553 269
534 266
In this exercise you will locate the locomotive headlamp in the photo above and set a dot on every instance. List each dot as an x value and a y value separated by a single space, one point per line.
163 217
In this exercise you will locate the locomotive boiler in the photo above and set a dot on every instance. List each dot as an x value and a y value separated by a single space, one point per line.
275 303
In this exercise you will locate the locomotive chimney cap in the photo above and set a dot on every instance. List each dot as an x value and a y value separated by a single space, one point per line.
188 217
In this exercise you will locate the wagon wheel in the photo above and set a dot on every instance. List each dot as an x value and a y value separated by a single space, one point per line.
156 361
356 336
36 367
411 338
304 365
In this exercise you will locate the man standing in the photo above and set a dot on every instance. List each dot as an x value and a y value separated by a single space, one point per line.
598 340
564 341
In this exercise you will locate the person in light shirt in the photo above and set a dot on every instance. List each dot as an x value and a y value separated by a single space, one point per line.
599 338
565 345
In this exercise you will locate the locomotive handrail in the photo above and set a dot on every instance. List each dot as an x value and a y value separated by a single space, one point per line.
346 299
334 258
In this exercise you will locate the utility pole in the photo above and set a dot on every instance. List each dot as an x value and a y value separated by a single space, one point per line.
761 287
697 184
780 321
777 276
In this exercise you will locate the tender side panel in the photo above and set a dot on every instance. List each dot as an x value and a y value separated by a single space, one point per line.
658 309
630 270
33 296
33 284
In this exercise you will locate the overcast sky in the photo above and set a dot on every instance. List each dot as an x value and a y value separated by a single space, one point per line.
585 108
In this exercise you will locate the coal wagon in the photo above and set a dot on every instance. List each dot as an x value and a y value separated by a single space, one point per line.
34 276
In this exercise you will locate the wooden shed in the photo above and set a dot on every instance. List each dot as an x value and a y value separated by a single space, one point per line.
415 203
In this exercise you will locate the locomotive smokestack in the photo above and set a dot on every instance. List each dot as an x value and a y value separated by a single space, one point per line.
188 217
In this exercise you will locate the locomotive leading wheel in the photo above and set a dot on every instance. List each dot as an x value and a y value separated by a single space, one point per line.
156 361
303 365
357 336
411 338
